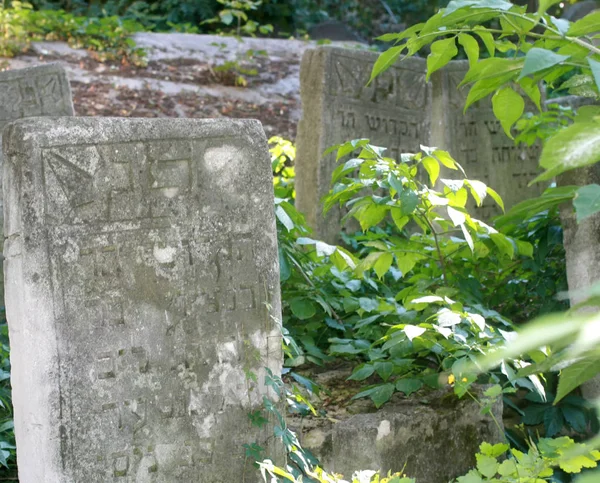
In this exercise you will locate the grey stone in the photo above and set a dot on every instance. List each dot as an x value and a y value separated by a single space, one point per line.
579 10
142 295
581 240
337 106
34 91
478 142
399 110
433 442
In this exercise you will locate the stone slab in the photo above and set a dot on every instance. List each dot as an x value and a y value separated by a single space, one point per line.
431 437
400 111
475 138
142 294
337 106
581 239
34 91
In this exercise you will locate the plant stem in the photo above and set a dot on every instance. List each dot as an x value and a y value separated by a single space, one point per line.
437 246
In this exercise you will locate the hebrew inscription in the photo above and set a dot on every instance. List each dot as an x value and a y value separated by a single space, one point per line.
393 111
161 271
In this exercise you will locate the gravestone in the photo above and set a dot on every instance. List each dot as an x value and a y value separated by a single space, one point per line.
581 239
35 91
142 297
400 111
337 106
475 138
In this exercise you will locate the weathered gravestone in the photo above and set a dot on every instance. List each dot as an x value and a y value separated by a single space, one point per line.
36 91
337 106
400 111
142 295
581 239
477 141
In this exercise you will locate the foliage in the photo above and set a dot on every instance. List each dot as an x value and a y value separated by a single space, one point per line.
535 466
7 436
236 12
544 49
109 38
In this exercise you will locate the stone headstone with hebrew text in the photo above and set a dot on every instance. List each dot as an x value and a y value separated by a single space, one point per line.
399 110
142 290
338 106
477 140
35 91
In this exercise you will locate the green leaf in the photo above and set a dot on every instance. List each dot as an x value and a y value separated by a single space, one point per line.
487 38
493 4
493 391
538 59
303 308
432 167
471 47
507 468
379 394
553 421
508 107
504 244
408 202
383 264
408 386
575 375
442 52
577 463
487 465
573 147
386 60
595 67
472 476
587 201
412 331
367 304
362 372
399 219
457 217
532 89
495 450
496 197
587 25
407 261
445 158
384 369
371 215
484 87
284 218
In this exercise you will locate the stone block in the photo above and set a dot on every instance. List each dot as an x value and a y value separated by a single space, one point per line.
581 239
432 437
337 106
142 290
398 110
35 91
476 139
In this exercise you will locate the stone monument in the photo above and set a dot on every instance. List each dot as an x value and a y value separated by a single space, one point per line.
476 139
35 91
398 110
337 106
142 290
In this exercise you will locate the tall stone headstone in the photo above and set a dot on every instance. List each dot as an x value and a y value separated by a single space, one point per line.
398 110
142 291
581 239
477 140
36 91
338 106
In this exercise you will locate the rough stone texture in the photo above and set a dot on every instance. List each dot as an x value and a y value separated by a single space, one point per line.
436 441
476 140
399 110
581 240
337 106
34 91
142 289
